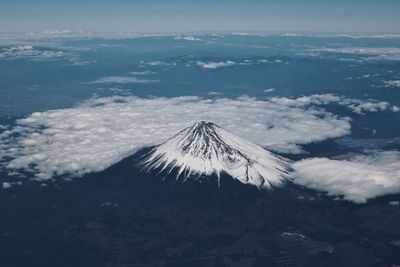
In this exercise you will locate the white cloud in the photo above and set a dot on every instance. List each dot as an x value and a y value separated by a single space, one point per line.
31 53
355 105
160 63
39 53
215 93
215 65
59 34
142 72
269 90
187 38
7 185
19 48
360 107
376 53
263 61
98 133
395 109
123 80
241 33
79 34
246 62
374 36
393 83
357 179
74 34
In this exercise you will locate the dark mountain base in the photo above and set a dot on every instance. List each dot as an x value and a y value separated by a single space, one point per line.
122 217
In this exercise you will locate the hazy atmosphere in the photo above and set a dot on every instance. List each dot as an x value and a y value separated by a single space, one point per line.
156 16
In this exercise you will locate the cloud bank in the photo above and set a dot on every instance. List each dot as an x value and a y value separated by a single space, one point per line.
357 179
100 132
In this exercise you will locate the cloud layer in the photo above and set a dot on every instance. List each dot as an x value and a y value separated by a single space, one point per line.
357 179
100 132
357 106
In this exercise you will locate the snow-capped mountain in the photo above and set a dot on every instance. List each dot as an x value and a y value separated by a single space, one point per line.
206 149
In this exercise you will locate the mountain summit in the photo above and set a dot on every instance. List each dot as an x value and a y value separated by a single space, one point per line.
205 149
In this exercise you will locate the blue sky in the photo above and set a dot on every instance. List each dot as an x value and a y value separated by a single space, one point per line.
159 16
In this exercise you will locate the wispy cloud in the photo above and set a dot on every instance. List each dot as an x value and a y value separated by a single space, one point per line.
39 53
157 63
373 53
123 80
269 90
29 52
100 132
357 179
372 36
142 72
187 38
215 93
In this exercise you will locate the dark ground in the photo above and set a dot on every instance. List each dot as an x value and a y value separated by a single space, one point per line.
122 217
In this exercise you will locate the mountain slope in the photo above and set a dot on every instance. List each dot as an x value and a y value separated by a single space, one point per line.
206 149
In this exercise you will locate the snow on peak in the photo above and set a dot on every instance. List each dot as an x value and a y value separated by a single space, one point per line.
205 148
